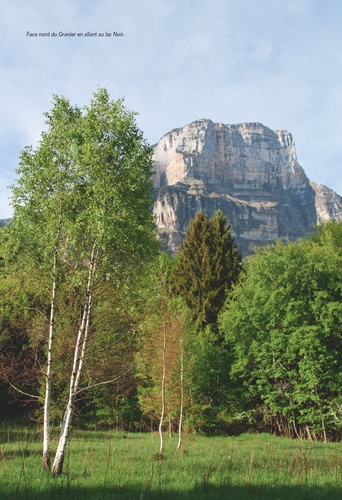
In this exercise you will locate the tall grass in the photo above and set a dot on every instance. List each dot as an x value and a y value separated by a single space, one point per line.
103 465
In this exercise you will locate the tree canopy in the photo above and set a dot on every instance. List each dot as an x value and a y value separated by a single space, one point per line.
81 216
283 324
207 266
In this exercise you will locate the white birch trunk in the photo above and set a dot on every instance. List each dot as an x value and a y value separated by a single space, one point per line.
79 355
170 424
84 347
161 448
182 394
47 400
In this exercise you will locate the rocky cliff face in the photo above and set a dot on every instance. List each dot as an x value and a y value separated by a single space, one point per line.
249 172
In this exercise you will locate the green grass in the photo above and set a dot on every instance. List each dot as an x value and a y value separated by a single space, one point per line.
109 465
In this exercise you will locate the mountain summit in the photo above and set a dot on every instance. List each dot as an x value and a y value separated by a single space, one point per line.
248 171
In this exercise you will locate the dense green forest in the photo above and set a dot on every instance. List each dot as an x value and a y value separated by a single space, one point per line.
101 328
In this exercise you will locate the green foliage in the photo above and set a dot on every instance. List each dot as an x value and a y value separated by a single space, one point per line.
283 323
207 266
111 351
86 188
89 180
164 341
21 336
209 380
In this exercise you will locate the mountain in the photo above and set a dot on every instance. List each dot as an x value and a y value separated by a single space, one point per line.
4 222
248 171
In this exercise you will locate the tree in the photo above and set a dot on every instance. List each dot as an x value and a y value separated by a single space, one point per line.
208 264
206 268
163 354
83 201
44 201
283 324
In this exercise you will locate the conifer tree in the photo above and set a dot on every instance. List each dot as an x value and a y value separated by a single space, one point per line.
208 264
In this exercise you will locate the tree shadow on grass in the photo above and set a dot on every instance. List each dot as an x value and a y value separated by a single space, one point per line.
207 493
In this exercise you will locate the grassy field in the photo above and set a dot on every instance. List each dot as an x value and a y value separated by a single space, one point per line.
110 465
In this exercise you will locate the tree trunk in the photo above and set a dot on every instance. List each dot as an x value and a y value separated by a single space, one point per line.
170 424
161 448
79 356
47 400
182 394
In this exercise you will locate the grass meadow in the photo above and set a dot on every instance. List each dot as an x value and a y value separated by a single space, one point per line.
117 465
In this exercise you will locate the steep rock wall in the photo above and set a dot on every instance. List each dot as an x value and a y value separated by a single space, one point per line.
249 172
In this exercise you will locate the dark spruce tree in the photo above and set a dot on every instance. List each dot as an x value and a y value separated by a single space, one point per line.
208 264
206 267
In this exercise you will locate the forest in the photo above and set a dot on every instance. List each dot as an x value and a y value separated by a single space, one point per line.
100 329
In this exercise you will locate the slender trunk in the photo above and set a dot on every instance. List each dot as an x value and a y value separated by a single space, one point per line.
308 433
66 423
47 401
79 355
84 347
161 449
182 394
295 429
170 424
324 433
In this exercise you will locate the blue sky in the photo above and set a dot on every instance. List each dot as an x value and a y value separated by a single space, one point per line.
278 62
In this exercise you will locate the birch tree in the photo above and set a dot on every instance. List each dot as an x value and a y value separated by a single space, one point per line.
87 189
43 213
162 356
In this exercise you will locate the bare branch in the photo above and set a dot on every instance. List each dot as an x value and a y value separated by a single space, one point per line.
104 349
33 309
105 382
24 393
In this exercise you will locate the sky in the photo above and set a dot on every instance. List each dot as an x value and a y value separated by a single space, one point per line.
278 62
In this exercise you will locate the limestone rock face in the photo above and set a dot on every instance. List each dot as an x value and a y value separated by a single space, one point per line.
249 172
328 204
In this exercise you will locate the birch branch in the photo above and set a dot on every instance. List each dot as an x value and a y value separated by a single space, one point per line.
32 309
24 393
105 382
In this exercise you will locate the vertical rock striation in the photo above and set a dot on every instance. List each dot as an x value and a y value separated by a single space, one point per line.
249 172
